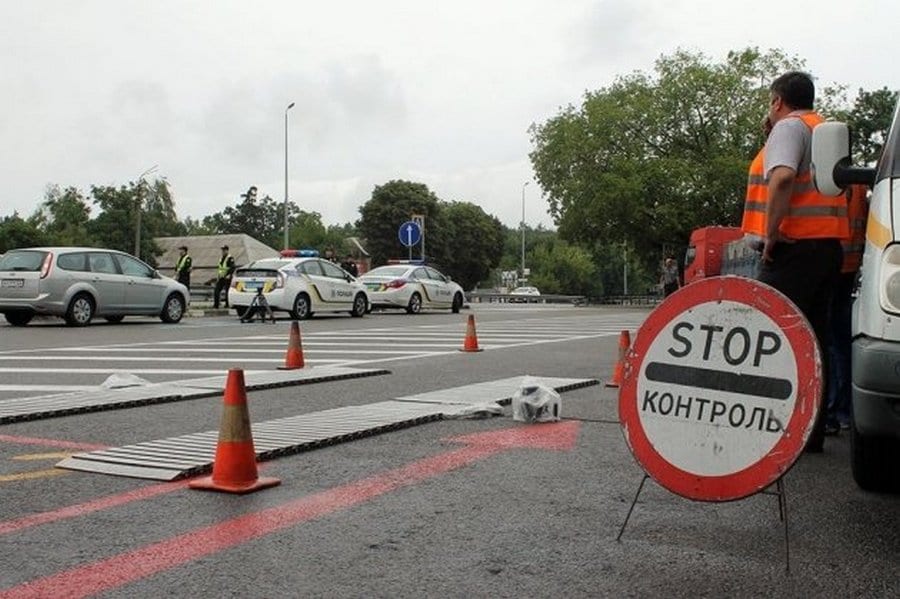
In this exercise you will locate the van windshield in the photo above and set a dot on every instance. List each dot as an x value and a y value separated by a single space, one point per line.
889 163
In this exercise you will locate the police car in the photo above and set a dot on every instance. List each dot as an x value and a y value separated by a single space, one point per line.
411 287
300 283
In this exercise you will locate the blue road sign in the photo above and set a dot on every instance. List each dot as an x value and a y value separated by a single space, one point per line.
410 233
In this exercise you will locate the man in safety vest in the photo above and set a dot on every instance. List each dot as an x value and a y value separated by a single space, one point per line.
754 221
183 267
801 253
839 402
224 270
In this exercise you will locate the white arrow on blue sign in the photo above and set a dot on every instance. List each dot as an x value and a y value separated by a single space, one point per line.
410 233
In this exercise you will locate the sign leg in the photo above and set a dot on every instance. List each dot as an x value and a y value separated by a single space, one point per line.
631 509
782 509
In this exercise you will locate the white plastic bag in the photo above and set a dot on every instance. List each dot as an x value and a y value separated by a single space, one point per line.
534 401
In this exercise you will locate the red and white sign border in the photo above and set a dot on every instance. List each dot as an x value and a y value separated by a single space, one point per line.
785 452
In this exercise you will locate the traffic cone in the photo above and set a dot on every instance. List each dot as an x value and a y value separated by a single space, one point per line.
293 358
624 344
234 469
471 342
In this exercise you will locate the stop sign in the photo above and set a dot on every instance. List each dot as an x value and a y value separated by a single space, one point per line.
720 389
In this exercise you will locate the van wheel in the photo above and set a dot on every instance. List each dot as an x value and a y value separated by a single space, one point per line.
19 318
80 311
875 462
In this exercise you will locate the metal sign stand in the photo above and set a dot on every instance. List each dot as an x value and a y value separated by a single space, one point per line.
779 492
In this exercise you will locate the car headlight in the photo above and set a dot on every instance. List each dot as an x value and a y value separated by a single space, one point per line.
890 279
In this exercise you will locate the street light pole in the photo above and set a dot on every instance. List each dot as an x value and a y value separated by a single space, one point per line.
523 227
139 209
291 105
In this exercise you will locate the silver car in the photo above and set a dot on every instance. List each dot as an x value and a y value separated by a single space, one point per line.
81 283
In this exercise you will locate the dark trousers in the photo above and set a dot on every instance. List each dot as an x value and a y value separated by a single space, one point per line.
221 285
807 272
839 395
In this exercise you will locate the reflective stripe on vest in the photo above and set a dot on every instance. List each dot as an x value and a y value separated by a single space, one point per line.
858 210
182 262
754 219
223 266
813 215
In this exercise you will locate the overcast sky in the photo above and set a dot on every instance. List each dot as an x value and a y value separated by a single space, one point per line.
443 93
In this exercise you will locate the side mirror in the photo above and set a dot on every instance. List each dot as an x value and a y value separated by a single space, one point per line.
831 163
155 274
830 147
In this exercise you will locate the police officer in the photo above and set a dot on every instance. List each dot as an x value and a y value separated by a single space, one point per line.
183 267
224 270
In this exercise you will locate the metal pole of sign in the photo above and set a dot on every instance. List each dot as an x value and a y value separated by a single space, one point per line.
631 509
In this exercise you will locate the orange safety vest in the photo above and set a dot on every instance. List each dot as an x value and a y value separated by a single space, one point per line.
857 212
813 215
754 220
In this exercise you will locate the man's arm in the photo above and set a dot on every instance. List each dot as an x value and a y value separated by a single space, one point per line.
781 183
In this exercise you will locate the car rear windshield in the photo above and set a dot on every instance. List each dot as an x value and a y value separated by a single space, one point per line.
23 260
389 271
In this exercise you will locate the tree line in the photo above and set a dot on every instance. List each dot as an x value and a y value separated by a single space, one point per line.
627 175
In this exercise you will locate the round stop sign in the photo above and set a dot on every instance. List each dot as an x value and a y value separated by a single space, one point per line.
720 389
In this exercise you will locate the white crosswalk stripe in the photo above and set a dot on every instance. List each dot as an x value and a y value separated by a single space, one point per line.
25 373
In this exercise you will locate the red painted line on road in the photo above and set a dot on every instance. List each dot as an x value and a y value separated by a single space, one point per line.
52 443
129 567
80 509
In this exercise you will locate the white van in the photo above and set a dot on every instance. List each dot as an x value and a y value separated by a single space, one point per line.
875 434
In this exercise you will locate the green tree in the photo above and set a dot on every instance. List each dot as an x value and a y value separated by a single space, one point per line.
16 232
479 238
64 217
870 120
562 268
652 157
391 205
262 219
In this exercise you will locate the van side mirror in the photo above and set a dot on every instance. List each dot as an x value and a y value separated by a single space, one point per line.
831 162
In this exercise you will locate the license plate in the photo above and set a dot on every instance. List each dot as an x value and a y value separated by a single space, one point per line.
253 285
12 282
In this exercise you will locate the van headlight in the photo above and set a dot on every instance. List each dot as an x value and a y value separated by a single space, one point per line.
890 279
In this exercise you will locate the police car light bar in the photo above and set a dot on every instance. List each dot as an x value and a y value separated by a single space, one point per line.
303 253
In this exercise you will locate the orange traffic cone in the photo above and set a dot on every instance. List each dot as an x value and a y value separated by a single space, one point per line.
234 470
624 344
471 342
293 358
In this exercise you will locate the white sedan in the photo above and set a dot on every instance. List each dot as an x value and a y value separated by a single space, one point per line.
300 286
411 287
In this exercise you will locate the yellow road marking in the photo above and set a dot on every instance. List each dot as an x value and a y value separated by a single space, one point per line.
31 475
28 457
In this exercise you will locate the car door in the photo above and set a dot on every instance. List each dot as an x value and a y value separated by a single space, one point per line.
143 291
107 281
340 291
439 288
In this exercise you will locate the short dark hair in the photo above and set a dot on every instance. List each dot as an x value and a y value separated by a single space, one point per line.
796 89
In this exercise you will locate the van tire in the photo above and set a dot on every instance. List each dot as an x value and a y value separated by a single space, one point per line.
875 462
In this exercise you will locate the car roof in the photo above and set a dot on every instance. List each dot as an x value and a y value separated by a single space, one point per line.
61 248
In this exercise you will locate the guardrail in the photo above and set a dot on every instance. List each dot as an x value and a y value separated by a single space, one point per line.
508 298
578 300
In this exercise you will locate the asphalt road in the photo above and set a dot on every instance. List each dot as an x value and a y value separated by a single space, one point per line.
465 507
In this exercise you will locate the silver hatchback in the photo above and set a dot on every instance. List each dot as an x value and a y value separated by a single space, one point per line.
78 284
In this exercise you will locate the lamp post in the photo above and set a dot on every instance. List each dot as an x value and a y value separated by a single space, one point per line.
523 227
291 105
139 209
